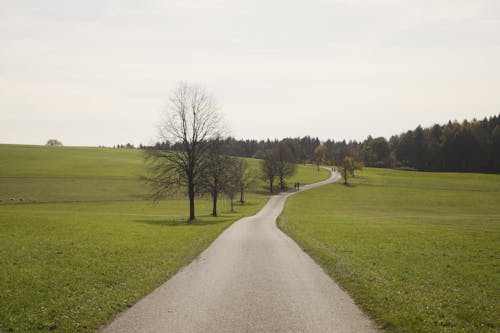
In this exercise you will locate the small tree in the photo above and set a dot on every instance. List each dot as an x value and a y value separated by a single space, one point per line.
233 182
348 166
319 154
244 177
269 167
284 161
54 143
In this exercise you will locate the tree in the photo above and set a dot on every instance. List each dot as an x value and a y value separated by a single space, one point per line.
244 177
356 165
215 172
233 181
191 121
269 167
220 174
284 158
319 154
348 166
345 168
54 142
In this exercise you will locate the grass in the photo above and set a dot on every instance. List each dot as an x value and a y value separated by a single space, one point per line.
418 251
71 267
35 174
78 241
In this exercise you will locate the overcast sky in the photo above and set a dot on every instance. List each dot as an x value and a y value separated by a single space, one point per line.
100 72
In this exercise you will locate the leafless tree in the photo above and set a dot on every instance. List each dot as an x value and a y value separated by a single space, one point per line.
217 174
233 181
283 155
269 167
278 162
244 177
192 119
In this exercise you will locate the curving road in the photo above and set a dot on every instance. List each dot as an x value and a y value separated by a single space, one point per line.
253 278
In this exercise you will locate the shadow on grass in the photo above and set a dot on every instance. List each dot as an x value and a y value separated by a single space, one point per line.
346 185
199 222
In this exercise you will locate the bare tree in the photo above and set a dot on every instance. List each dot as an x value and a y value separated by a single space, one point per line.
244 177
284 161
233 181
217 175
191 121
269 167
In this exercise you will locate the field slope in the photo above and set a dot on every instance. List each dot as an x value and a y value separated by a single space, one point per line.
78 241
418 251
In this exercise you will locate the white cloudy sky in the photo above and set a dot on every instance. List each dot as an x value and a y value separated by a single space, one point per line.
99 72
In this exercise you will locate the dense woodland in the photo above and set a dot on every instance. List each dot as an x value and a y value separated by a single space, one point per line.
456 146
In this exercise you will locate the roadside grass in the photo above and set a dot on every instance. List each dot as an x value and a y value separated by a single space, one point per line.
79 243
71 267
418 251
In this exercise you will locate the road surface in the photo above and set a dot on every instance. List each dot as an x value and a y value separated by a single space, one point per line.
253 278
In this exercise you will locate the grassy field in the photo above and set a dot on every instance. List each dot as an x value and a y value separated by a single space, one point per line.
78 241
418 251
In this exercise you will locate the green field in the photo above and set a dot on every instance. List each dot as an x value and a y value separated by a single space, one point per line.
78 241
418 251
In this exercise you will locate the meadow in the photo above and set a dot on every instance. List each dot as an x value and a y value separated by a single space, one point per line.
419 252
79 241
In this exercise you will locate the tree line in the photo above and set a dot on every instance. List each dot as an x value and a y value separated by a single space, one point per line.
468 146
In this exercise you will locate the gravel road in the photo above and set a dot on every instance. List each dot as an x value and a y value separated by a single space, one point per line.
253 278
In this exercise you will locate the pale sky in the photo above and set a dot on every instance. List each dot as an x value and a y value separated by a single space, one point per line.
100 72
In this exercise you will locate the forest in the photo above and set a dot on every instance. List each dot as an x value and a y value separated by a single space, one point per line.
467 146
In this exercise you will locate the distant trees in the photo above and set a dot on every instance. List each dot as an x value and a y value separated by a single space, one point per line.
192 120
278 162
465 146
129 146
455 146
54 143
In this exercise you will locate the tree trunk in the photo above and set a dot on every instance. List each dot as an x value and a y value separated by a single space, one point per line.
191 202
214 208
271 186
241 195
